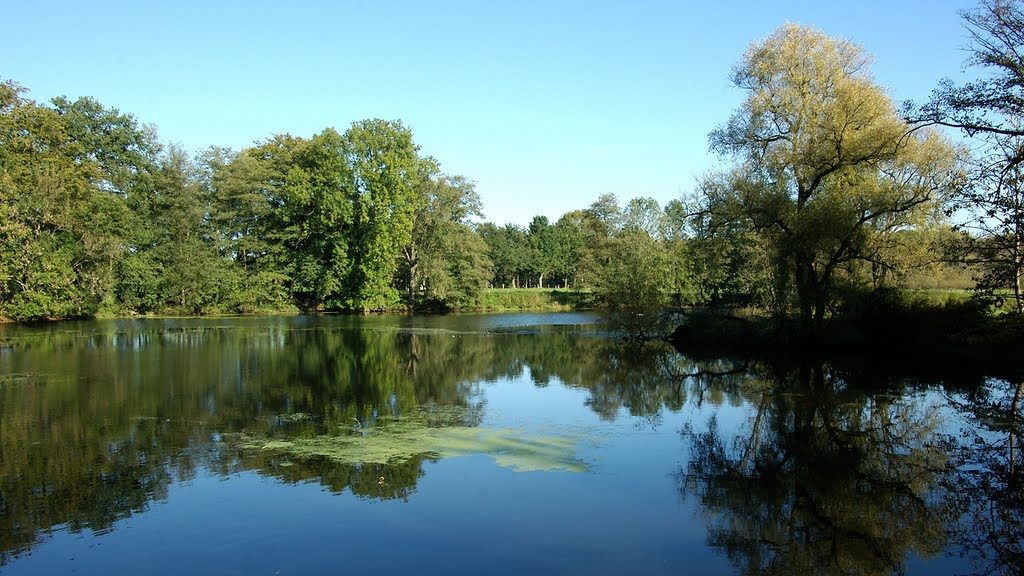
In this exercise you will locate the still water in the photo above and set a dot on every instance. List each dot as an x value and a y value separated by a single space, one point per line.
499 444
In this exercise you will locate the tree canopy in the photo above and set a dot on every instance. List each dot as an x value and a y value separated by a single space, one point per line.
830 191
97 217
824 163
991 110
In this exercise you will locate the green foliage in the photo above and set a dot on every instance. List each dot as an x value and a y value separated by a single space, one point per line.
62 220
246 228
830 192
569 237
990 109
826 172
96 218
139 279
644 215
384 204
460 271
445 262
316 217
193 277
569 253
634 284
122 151
724 260
599 222
508 249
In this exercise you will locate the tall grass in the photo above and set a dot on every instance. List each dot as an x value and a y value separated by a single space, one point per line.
512 299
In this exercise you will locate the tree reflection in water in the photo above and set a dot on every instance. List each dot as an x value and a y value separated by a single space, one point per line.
830 474
823 479
989 482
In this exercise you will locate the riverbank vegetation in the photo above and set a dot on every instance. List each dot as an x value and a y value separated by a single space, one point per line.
832 199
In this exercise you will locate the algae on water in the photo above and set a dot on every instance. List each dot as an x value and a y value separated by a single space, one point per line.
399 439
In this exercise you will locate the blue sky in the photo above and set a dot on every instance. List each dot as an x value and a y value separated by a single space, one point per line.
545 104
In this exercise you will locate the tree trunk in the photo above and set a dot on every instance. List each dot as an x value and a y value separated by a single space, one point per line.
410 257
1018 262
805 295
1014 406
819 311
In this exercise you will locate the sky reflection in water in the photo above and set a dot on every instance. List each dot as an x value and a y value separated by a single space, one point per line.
458 444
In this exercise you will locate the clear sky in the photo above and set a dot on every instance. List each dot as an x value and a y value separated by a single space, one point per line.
545 104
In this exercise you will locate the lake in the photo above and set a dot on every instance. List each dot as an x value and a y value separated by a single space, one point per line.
498 444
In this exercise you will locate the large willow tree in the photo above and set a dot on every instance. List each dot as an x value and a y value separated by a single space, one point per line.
823 163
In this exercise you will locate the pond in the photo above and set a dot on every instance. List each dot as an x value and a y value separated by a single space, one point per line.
499 444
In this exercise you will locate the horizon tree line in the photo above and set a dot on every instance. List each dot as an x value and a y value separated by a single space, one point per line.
833 191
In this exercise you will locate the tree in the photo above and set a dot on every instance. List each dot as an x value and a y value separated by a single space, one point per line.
995 241
599 223
315 217
569 238
606 212
990 105
823 161
384 204
724 258
508 250
542 242
644 215
56 241
124 153
124 159
96 217
242 205
679 244
633 285
991 109
445 261
193 277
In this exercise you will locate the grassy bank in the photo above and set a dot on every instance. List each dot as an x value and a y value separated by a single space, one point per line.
548 299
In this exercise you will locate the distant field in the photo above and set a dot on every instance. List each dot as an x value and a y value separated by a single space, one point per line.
1003 304
506 299
941 295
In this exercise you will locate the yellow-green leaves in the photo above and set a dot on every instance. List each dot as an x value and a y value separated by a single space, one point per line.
823 161
812 108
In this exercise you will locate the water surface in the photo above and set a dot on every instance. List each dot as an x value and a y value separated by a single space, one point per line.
507 443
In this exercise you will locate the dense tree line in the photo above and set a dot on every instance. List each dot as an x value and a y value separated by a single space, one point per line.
98 217
833 194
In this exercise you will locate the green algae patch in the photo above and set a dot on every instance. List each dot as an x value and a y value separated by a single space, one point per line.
400 439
